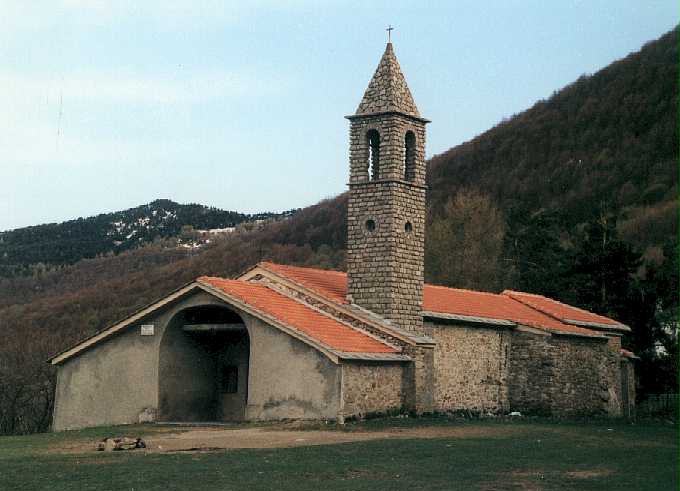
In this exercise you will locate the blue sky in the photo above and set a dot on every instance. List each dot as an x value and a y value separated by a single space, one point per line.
105 105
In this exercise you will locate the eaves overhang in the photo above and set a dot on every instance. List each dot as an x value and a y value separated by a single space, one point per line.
598 325
352 117
471 319
100 336
120 325
579 335
332 353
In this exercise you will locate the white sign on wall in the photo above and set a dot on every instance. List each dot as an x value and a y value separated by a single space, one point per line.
147 330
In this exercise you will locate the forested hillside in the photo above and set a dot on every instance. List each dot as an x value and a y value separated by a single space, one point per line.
592 170
606 143
39 247
575 198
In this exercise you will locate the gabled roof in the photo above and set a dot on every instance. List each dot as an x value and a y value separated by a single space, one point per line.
566 313
330 284
387 91
439 301
339 339
313 323
323 332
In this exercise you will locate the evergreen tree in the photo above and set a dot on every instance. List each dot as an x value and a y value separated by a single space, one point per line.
533 257
601 277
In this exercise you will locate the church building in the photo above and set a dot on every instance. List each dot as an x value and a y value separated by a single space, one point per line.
286 342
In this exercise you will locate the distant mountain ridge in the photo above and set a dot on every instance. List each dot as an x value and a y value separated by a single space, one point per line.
70 241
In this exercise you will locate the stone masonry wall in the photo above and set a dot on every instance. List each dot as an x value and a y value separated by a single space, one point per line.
388 77
586 377
418 379
385 263
392 129
418 375
371 388
530 373
628 375
562 375
336 312
471 368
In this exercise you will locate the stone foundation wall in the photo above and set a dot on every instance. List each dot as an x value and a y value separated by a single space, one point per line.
370 387
585 378
627 386
530 373
421 379
470 368
562 375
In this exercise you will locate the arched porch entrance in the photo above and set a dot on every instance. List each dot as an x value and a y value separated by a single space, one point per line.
203 366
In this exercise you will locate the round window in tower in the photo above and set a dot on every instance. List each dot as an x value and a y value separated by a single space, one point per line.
408 228
370 225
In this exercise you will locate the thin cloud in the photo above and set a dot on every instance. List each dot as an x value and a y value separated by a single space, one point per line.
21 15
35 133
121 87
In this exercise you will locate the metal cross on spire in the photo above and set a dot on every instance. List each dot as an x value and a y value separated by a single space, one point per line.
389 33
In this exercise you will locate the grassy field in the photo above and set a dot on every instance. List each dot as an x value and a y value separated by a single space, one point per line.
501 455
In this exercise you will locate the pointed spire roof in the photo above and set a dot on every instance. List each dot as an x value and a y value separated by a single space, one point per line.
387 91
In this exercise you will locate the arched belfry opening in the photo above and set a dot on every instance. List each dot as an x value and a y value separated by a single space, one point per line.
410 156
203 366
373 161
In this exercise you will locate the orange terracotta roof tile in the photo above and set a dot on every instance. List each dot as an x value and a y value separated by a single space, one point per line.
330 284
559 310
314 324
483 304
440 299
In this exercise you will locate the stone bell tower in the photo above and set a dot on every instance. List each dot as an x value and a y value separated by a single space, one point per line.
386 211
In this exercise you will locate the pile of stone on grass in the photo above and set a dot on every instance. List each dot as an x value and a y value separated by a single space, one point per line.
120 443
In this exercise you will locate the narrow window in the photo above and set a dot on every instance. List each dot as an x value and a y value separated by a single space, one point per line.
229 379
373 140
409 156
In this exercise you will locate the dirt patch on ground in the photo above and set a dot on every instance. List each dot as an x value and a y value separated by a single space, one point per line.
615 436
214 438
521 480
589 473
537 479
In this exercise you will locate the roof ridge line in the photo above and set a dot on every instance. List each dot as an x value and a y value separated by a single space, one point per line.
345 308
509 292
535 309
270 318
463 290
300 267
552 316
584 311
344 273
330 316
